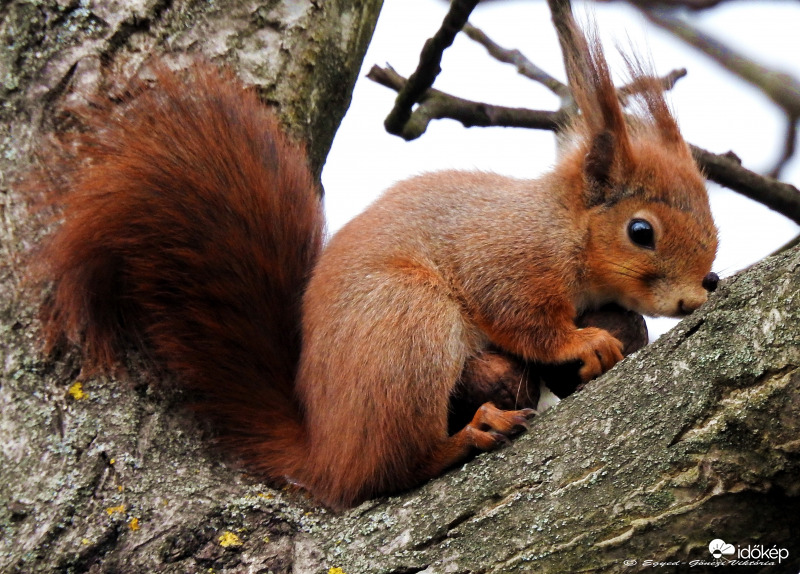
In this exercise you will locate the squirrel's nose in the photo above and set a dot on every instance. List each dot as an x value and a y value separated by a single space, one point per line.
710 282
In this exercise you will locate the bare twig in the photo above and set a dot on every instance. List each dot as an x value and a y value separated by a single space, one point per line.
524 65
429 65
435 104
789 145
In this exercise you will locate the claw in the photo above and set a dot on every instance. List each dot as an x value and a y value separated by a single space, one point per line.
500 438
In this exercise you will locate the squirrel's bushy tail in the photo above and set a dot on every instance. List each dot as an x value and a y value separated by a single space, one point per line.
190 227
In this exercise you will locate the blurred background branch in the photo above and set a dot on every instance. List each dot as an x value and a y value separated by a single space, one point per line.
724 169
782 88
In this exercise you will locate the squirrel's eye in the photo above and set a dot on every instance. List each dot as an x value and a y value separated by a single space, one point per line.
641 233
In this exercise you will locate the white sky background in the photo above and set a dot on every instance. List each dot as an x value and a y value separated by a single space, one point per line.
715 110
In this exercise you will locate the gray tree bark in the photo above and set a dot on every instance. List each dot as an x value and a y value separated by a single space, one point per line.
694 438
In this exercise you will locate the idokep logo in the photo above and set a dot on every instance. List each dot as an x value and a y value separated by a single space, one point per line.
725 555
718 547
753 554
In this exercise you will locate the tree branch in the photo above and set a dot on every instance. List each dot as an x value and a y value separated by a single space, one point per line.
724 169
524 65
435 104
429 65
705 441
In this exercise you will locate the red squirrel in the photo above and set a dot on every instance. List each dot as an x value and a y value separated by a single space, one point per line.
193 229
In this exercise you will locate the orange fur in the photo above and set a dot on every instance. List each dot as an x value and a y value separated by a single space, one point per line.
191 227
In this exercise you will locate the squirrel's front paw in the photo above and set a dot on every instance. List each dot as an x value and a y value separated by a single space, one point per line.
597 349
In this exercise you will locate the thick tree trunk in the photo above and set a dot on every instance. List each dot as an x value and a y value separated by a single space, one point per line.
112 477
693 439
303 55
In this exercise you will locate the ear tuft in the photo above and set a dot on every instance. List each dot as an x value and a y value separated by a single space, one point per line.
597 166
601 119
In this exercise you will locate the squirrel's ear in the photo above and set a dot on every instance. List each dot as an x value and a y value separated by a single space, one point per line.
600 157
597 166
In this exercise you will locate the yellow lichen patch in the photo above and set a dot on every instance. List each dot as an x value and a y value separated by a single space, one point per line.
76 390
134 524
120 509
336 571
228 538
85 541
